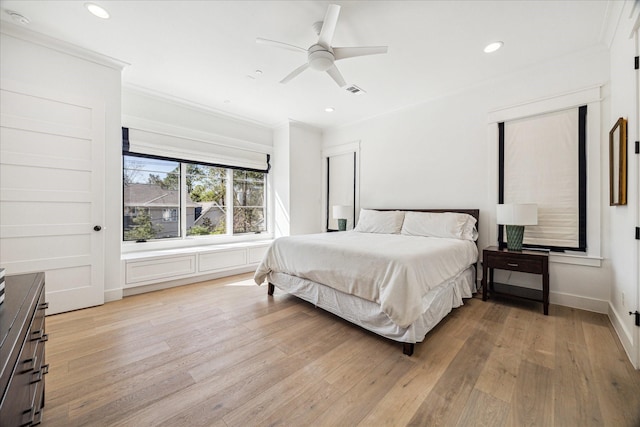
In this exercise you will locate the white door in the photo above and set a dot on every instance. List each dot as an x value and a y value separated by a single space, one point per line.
52 192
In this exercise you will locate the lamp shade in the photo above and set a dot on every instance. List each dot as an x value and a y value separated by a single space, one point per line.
517 214
341 211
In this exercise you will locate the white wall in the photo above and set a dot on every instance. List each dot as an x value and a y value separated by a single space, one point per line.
281 185
441 154
305 164
622 219
297 169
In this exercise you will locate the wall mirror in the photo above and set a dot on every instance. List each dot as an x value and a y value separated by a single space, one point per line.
618 163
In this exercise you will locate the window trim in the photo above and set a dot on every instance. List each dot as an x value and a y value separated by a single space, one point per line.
582 186
591 96
185 240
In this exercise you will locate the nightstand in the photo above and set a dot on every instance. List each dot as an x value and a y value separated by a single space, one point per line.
534 262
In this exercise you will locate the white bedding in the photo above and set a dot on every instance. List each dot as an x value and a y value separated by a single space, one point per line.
392 270
438 303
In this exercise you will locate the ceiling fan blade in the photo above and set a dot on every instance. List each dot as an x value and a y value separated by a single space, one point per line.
281 45
329 25
350 52
336 76
294 73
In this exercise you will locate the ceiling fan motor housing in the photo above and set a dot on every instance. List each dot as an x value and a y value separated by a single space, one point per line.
320 57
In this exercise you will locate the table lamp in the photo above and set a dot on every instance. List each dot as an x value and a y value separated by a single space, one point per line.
515 216
341 213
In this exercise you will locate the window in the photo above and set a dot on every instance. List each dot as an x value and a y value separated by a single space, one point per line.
153 200
151 187
248 202
341 187
542 160
206 200
170 215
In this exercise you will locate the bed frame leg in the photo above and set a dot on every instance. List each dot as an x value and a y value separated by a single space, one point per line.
270 289
407 348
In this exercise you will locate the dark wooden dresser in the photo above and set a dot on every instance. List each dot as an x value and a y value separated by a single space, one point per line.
23 337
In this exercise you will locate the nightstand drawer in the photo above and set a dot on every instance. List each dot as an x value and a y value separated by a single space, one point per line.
506 262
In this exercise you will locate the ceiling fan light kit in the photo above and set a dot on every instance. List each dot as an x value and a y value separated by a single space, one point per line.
321 56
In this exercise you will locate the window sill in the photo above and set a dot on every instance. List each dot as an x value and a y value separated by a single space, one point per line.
194 243
575 259
170 252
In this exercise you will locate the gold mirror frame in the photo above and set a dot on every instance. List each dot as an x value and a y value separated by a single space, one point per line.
618 163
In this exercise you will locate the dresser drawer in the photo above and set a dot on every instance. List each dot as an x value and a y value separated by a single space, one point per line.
515 263
15 409
22 352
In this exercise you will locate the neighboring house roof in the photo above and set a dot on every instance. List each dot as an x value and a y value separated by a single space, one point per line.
210 210
153 196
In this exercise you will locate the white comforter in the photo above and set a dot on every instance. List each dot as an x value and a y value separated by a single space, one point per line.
393 270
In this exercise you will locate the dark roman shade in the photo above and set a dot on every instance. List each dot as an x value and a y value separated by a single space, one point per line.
170 147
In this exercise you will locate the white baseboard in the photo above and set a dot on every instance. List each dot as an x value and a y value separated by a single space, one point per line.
576 301
112 295
624 335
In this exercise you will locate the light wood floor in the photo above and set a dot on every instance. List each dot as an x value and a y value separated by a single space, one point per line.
222 353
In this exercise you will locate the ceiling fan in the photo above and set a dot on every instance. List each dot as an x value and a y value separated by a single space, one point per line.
321 55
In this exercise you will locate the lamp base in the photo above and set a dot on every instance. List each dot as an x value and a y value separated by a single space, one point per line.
342 225
514 237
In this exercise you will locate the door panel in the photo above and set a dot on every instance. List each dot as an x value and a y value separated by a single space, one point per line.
52 191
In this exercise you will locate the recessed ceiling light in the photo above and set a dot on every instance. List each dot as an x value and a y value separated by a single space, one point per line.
329 109
492 47
96 10
20 19
258 72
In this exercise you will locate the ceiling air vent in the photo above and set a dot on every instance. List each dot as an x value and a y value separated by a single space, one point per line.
355 90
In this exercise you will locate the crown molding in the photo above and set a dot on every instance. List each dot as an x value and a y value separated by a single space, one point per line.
19 32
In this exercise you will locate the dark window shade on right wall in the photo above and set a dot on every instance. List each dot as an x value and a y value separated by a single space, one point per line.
542 160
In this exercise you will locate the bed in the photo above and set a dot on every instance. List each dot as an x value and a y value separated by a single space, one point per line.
397 274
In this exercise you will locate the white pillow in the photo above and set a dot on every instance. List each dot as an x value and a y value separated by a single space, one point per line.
371 221
470 232
440 224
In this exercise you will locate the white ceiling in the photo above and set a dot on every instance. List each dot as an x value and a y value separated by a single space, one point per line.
205 51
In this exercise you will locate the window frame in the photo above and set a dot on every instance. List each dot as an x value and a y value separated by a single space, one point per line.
184 238
519 107
582 185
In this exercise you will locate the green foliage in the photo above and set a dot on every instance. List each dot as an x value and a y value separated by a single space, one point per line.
216 193
248 195
199 230
143 228
206 184
207 228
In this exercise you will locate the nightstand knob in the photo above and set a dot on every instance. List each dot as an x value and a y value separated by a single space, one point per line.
512 264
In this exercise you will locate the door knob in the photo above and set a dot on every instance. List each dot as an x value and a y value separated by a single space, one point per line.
97 228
